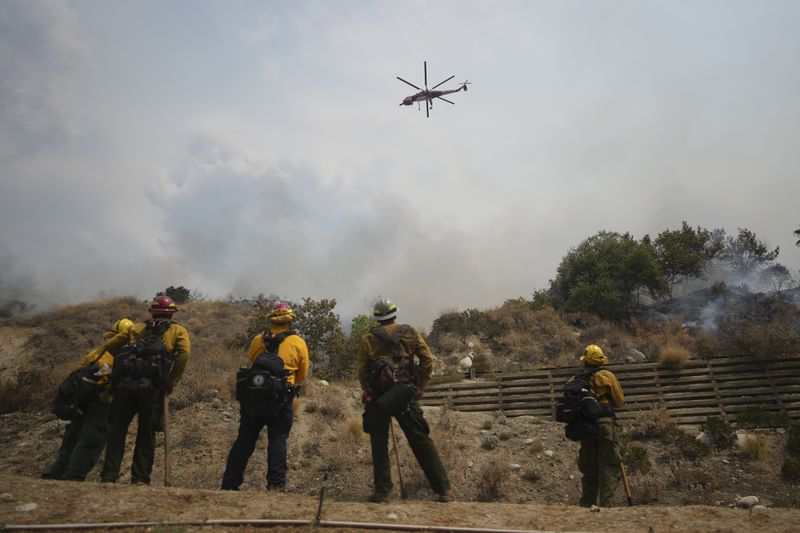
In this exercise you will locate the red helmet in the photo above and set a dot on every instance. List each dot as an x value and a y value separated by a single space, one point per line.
162 305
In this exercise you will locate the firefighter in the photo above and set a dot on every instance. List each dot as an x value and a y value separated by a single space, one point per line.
386 370
276 412
86 434
151 358
599 457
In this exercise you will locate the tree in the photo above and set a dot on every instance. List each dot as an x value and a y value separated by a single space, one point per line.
746 253
343 358
606 274
179 295
320 327
684 253
777 277
797 234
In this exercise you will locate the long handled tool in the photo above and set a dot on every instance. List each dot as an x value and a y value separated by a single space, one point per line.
167 473
403 494
626 484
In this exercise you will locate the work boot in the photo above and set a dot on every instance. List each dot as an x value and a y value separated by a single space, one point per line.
380 497
445 496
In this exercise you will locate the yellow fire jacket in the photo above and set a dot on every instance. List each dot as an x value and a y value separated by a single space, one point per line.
606 387
176 340
373 348
292 350
105 363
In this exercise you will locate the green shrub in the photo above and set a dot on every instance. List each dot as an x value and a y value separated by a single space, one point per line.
755 416
720 431
791 470
788 497
636 459
681 445
793 440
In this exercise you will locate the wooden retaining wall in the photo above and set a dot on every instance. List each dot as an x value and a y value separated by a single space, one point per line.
723 386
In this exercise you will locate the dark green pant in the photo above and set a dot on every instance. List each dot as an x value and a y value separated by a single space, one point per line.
598 461
145 406
416 429
83 441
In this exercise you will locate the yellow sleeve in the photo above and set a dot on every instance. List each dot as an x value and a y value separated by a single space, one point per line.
178 338
90 357
301 359
607 386
121 339
426 358
362 365
256 349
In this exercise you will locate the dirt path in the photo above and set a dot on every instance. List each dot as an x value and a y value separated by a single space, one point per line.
65 502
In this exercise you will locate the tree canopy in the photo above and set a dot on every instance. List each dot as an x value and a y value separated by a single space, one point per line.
606 274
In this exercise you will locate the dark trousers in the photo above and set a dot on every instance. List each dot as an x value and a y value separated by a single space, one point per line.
598 461
417 432
146 406
278 428
82 444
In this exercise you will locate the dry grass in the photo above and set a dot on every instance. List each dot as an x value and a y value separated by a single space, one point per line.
651 424
673 356
645 489
755 447
352 432
697 478
492 481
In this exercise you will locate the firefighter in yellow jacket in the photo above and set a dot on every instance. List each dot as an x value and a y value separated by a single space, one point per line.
599 457
86 434
387 358
150 360
278 345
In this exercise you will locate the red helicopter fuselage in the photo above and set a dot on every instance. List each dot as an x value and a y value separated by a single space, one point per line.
430 95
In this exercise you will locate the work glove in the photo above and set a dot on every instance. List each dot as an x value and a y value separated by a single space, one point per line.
366 398
423 384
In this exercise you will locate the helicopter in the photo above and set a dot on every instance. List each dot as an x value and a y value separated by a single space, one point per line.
429 94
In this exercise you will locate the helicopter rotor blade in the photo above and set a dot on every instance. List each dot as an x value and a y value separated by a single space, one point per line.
445 81
446 100
408 82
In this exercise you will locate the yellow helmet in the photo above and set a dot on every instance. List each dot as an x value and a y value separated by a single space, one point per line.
594 356
123 325
281 313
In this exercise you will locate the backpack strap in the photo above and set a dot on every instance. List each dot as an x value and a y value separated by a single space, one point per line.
272 343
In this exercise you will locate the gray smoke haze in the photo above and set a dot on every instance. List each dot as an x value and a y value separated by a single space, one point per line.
260 147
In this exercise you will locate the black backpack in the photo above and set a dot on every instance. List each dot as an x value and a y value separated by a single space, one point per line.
76 392
145 364
578 400
263 389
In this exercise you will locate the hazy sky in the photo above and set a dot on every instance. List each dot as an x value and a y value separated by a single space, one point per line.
245 147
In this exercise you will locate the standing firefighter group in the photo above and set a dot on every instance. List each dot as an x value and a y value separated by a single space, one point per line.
133 372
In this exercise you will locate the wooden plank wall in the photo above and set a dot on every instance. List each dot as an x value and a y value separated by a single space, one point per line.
722 386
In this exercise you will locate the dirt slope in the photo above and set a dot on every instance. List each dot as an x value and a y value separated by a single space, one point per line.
64 502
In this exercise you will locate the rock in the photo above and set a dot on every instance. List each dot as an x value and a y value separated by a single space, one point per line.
548 453
594 508
747 502
323 382
725 461
635 356
216 403
27 507
470 464
227 414
572 476
6 497
705 438
392 516
759 509
465 363
515 466
527 441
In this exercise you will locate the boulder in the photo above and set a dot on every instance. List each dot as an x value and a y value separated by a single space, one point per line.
634 356
747 502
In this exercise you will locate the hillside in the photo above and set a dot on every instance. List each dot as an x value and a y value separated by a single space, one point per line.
523 460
